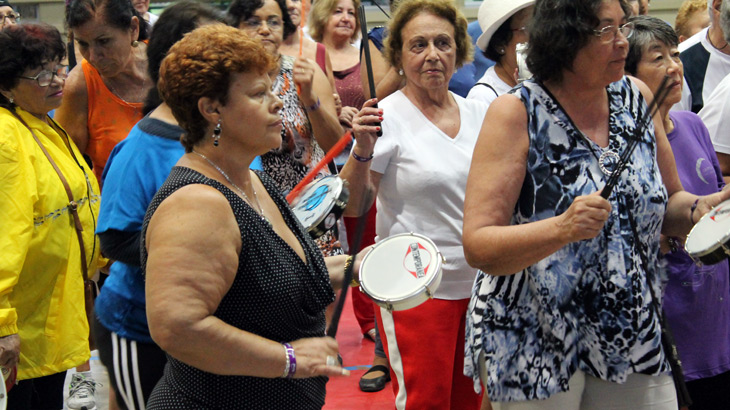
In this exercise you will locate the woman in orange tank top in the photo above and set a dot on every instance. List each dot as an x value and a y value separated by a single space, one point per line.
105 93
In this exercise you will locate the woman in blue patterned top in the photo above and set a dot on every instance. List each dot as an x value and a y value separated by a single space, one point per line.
563 314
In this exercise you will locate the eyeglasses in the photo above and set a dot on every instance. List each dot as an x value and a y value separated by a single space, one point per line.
608 33
14 17
273 23
45 77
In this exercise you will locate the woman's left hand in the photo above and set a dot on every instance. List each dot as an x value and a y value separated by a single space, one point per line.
707 202
303 73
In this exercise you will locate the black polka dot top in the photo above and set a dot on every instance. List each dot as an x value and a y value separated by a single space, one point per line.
274 295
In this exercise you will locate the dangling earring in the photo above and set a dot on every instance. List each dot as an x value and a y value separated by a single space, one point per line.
217 133
135 43
12 100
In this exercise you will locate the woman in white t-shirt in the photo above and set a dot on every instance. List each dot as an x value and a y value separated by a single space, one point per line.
504 25
418 171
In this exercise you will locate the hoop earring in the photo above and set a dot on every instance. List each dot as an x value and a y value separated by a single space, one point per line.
216 133
135 43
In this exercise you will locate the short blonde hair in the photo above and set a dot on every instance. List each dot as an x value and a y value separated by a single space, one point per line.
320 14
201 65
446 9
686 11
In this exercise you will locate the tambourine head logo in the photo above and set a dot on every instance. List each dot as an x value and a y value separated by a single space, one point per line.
317 197
719 214
417 260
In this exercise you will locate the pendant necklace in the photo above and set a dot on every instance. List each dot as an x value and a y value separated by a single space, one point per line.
609 158
243 194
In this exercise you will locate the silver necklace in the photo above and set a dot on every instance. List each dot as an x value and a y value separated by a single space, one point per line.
258 204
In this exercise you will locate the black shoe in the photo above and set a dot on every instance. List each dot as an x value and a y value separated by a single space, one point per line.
378 383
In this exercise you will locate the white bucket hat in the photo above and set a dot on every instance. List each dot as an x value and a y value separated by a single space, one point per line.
492 13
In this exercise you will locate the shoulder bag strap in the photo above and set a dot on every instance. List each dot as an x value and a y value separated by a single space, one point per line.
72 204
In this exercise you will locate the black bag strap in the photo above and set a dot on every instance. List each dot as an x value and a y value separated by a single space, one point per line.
490 87
667 339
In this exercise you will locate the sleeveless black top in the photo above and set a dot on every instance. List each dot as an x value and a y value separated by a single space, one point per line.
274 295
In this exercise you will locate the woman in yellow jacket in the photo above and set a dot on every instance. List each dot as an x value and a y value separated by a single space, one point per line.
43 325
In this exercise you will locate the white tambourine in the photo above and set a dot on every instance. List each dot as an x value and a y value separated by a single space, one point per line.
707 242
402 271
320 204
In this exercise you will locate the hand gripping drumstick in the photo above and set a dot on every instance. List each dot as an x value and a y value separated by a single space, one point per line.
368 60
659 97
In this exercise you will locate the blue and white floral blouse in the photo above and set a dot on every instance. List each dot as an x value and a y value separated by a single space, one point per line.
587 306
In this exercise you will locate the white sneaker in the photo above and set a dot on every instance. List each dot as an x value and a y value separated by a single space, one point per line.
81 392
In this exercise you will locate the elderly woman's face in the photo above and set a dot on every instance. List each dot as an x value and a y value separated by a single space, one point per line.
37 100
602 60
342 21
107 48
250 96
659 60
267 25
428 56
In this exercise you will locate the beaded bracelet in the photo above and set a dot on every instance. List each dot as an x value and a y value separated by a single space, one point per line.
291 362
673 244
362 159
315 106
692 211
348 262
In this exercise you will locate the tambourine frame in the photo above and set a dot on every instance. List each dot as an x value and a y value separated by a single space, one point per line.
713 254
411 299
334 208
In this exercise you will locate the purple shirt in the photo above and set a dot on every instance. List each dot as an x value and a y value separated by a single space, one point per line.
697 299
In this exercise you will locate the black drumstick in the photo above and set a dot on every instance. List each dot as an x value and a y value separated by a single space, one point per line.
368 60
362 219
354 249
659 97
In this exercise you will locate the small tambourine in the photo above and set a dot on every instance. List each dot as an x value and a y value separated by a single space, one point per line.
320 204
402 271
708 241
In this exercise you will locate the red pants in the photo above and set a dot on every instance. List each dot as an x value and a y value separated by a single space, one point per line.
425 348
361 303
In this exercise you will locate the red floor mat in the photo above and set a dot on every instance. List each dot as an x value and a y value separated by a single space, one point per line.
343 393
